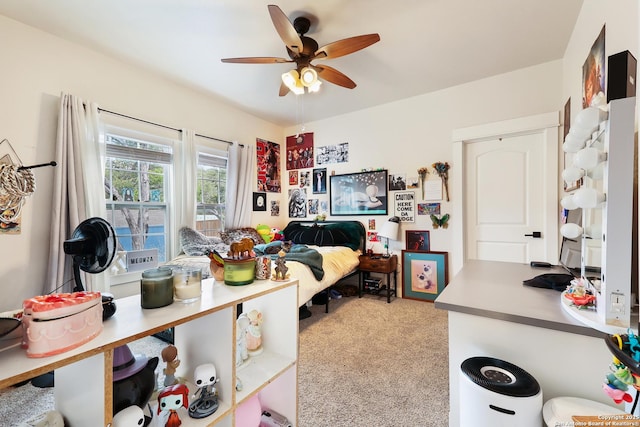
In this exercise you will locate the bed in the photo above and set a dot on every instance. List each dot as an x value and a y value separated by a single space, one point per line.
339 243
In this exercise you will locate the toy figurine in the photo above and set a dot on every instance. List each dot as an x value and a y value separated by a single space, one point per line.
170 357
281 266
170 400
206 397
132 416
242 323
254 333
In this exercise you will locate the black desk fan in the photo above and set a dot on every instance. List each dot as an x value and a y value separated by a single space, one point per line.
92 246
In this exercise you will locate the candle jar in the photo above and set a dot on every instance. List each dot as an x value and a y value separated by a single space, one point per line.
188 287
263 267
156 287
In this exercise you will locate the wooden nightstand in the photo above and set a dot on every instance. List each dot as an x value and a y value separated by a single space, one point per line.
379 264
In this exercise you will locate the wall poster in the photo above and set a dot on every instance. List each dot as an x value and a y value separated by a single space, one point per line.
268 159
300 151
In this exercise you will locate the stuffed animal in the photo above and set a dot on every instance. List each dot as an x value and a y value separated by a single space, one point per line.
265 232
277 234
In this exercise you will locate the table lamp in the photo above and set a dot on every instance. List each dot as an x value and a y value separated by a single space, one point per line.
389 231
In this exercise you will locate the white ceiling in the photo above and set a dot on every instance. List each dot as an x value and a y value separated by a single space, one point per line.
426 45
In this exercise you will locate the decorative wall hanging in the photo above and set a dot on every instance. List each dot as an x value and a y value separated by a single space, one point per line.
405 205
397 182
442 221
259 202
275 208
428 208
593 73
16 183
298 203
319 181
424 274
300 151
417 240
422 174
442 169
361 193
332 154
268 158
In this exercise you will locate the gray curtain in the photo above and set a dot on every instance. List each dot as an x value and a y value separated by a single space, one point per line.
77 189
239 179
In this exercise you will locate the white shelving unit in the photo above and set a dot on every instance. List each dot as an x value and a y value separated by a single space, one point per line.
615 218
204 333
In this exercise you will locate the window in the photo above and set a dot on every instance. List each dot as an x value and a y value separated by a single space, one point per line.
212 180
137 193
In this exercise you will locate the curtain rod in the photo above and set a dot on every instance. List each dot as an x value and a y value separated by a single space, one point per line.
164 126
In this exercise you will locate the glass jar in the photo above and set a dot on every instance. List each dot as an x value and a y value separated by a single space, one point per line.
187 284
156 287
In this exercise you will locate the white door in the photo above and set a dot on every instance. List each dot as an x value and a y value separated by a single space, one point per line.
504 196
508 181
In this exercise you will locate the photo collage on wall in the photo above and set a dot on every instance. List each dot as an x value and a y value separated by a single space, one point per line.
308 182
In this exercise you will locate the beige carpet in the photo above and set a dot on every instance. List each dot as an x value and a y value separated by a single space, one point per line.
369 363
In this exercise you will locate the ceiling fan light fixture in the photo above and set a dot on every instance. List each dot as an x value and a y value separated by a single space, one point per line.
315 87
291 80
308 76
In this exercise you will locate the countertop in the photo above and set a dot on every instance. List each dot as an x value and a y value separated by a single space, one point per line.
494 289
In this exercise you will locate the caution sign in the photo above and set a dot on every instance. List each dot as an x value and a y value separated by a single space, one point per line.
405 205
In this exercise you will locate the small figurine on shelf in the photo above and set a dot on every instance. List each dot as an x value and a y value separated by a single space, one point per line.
131 416
254 333
281 266
170 400
242 323
170 357
206 397
216 265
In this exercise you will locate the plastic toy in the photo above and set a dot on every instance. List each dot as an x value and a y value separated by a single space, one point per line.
170 400
242 323
206 397
170 357
132 416
634 345
617 395
281 266
254 333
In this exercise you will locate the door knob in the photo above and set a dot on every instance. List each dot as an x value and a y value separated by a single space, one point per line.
535 235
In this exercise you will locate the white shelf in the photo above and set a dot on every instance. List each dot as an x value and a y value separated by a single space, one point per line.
204 333
590 318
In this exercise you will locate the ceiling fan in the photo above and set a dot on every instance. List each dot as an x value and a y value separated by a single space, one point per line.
302 50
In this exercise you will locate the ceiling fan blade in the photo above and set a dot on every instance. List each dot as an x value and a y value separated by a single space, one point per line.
285 29
334 76
284 90
256 60
346 46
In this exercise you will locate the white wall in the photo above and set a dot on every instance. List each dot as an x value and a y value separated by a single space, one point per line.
36 68
406 135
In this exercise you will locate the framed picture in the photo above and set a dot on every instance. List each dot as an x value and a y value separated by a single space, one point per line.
259 201
424 274
417 240
361 193
320 181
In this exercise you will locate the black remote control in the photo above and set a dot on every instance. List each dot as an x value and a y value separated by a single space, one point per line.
541 264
